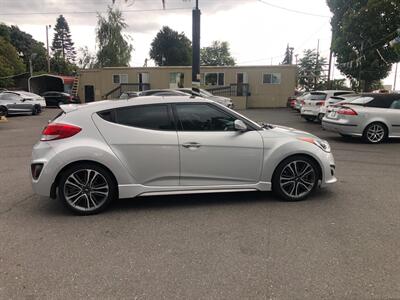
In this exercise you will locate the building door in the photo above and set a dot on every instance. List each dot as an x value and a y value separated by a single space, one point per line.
144 80
241 81
89 93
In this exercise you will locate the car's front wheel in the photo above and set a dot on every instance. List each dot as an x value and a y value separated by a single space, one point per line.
295 178
36 110
87 188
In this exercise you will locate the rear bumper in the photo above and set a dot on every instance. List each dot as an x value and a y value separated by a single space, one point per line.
342 128
309 112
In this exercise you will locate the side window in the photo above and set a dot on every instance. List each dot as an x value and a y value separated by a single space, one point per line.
342 93
203 117
381 102
9 96
395 104
154 117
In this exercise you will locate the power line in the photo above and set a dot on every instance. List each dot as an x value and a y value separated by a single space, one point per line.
292 10
90 12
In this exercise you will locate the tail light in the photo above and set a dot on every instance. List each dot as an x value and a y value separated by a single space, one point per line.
58 131
320 103
303 102
347 111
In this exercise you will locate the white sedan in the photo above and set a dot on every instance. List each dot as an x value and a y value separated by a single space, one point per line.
92 154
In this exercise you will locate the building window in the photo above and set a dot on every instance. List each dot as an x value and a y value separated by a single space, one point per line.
214 79
120 78
176 80
272 78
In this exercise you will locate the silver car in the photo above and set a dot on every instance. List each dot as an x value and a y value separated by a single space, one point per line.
375 117
14 103
93 154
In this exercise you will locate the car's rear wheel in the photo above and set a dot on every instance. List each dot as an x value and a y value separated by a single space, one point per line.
3 111
87 188
320 117
375 133
295 178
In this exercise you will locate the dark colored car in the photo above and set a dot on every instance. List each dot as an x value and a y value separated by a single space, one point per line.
56 99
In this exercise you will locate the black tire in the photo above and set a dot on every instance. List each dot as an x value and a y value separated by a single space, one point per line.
86 194
3 111
310 119
375 133
320 117
304 185
35 110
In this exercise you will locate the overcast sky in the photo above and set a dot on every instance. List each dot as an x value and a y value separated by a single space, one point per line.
257 30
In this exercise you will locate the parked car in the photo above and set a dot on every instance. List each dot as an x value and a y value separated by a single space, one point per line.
55 99
311 105
300 101
13 103
207 95
171 145
129 94
31 97
334 101
290 100
374 117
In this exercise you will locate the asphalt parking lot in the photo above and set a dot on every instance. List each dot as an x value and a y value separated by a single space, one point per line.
343 243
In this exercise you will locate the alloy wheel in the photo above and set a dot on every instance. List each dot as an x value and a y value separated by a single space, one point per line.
297 179
86 190
375 133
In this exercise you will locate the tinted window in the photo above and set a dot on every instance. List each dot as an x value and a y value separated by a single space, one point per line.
395 104
362 100
342 93
203 117
380 102
9 96
154 117
107 115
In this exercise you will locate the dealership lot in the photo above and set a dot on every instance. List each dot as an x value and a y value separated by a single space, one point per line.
342 243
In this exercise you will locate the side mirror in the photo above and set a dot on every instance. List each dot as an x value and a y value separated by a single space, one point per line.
240 125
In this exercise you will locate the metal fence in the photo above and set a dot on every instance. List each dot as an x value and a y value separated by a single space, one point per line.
126 87
234 89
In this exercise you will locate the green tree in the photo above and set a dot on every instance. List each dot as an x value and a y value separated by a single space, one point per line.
63 45
218 54
60 66
288 59
114 48
311 71
170 48
86 60
10 63
362 30
26 46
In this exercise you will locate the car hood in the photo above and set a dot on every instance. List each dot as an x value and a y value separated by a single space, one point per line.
287 131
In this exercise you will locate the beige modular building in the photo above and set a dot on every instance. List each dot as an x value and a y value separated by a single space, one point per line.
248 86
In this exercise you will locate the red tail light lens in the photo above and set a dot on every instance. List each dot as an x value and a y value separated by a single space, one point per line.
320 103
59 131
347 111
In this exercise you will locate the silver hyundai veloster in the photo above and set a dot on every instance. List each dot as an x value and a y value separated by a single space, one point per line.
92 154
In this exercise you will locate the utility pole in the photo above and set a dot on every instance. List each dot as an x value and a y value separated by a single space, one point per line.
395 77
196 46
47 43
330 64
316 66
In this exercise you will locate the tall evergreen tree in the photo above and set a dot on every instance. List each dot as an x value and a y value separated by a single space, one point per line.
288 60
114 47
311 71
62 46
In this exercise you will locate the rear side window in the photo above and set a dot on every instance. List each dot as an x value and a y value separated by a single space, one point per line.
342 93
154 117
395 104
380 102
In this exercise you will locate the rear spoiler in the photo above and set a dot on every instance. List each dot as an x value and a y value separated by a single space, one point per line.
69 107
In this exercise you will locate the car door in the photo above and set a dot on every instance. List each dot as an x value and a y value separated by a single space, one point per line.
211 151
145 140
16 103
394 117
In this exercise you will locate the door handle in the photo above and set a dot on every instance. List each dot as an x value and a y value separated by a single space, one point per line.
191 145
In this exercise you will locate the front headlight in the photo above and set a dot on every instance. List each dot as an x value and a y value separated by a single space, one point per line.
324 145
